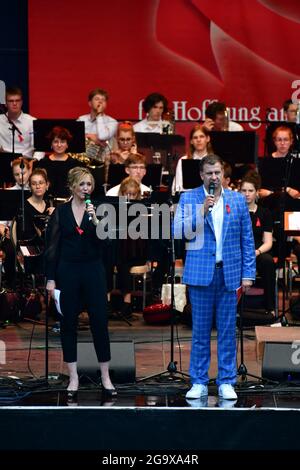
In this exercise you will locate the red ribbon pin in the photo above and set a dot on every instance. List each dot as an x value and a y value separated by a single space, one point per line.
79 230
227 208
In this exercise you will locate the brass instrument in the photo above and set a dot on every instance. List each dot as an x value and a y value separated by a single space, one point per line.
226 120
168 122
93 154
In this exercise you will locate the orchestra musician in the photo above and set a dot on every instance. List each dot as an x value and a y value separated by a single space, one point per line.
154 105
21 169
217 119
59 162
129 252
135 167
199 147
125 143
262 226
99 127
22 124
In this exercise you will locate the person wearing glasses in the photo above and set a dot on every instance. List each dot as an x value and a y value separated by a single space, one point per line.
283 141
135 167
125 143
279 172
23 125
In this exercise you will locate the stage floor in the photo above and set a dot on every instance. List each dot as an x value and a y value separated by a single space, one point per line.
148 414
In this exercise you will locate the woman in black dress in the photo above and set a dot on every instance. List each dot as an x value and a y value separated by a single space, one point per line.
74 265
262 226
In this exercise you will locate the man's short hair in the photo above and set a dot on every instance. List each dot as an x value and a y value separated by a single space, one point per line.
97 91
13 90
287 104
135 159
227 170
215 108
211 160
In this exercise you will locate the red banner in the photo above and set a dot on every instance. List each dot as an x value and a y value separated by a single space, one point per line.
240 51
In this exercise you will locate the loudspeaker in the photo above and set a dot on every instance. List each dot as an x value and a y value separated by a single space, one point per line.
281 361
122 364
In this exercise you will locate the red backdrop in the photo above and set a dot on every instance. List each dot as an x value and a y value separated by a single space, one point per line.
244 52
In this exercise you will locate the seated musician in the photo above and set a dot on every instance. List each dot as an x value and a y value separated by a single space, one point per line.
128 252
36 210
262 226
58 163
283 141
135 167
99 127
199 147
290 110
154 105
21 169
21 175
279 172
217 119
125 143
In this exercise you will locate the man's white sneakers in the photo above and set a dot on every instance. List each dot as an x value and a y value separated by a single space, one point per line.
197 391
226 391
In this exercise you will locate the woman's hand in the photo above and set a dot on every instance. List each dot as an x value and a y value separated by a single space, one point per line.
50 210
91 211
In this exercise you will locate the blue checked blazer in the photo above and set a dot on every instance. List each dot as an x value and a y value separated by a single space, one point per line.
238 245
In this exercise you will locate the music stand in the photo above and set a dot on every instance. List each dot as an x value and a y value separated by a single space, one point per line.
272 126
10 203
191 173
98 173
235 147
43 127
170 146
6 174
116 174
153 175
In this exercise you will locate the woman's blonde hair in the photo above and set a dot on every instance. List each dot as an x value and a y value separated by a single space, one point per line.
76 175
132 184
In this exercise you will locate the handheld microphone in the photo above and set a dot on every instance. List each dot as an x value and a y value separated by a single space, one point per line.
87 199
211 192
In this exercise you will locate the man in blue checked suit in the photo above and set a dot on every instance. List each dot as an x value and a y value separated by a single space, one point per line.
220 257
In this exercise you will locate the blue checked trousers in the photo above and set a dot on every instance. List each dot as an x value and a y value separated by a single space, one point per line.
205 302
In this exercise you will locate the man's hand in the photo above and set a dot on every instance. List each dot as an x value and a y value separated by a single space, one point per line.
246 284
208 124
208 202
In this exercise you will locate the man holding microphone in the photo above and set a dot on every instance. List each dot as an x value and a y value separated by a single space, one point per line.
214 270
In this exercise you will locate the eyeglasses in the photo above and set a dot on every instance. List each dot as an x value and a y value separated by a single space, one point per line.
123 139
283 139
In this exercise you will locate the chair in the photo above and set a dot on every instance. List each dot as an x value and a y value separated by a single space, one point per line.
140 272
254 295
